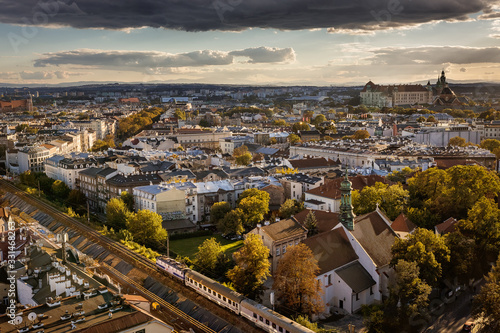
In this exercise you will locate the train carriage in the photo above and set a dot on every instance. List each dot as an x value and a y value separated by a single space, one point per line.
269 320
214 291
172 267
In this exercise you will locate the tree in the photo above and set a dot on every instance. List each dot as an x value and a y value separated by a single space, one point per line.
208 254
293 138
219 211
244 159
392 199
300 126
128 199
318 119
279 123
60 189
252 267
421 119
483 227
290 207
204 123
361 135
255 204
78 201
410 291
295 280
180 114
463 264
485 305
232 223
242 155
311 223
427 250
490 144
146 227
117 214
457 141
432 119
400 176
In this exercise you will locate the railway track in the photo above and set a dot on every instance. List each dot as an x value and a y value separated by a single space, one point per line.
114 247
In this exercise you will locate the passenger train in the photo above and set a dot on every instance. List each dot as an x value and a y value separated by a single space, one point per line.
263 317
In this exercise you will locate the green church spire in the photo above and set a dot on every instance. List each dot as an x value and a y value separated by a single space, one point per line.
346 213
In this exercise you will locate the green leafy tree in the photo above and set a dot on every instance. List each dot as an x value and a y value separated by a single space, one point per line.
485 305
300 126
427 250
252 267
295 280
360 135
60 189
318 119
117 214
180 114
255 204
244 159
463 264
391 199
208 254
78 201
146 226
280 123
432 119
483 227
400 176
290 207
128 199
293 138
410 290
457 141
311 223
232 223
219 211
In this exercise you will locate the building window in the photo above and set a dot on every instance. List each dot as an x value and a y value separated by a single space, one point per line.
277 251
357 297
371 290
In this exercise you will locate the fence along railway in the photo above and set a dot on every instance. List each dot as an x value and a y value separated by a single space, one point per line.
103 247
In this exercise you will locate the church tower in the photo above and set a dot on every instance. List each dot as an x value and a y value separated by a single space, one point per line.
346 214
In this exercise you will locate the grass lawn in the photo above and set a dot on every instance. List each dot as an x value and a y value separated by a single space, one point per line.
189 246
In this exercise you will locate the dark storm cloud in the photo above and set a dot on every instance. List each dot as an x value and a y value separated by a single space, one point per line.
152 59
435 55
203 15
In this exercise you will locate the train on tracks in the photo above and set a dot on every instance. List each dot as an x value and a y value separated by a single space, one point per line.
263 317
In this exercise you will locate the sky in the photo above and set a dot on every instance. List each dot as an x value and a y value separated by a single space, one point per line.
254 42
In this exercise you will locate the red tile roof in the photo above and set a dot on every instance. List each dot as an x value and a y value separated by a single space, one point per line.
332 189
403 224
447 226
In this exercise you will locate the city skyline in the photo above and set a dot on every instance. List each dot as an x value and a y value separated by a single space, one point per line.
253 42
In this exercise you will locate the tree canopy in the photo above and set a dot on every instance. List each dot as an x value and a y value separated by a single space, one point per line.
252 267
208 254
254 204
295 280
391 199
117 214
146 227
427 250
485 305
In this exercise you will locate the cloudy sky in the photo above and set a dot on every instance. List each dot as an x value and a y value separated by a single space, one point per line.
258 42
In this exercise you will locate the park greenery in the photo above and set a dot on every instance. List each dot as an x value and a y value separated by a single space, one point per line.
133 124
